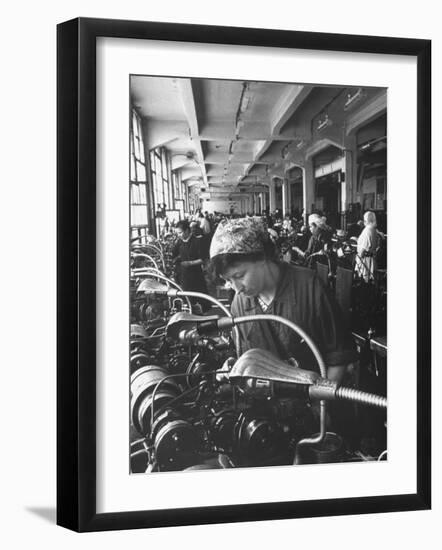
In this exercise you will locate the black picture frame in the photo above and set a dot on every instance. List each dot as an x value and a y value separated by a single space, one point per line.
76 273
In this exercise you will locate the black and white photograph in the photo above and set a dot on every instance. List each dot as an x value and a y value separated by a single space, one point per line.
220 224
242 324
258 274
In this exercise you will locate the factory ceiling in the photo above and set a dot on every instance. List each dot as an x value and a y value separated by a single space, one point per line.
225 133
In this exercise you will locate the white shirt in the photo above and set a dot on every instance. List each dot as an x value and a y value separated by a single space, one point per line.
205 226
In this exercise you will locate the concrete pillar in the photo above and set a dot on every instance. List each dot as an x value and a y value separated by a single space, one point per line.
272 197
263 196
285 196
250 203
308 188
351 172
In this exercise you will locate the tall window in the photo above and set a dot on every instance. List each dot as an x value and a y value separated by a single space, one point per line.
162 190
138 180
177 186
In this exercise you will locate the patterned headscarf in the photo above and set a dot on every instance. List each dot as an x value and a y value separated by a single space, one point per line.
239 236
320 221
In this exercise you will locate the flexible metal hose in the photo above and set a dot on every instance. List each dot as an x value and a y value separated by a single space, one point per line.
294 327
323 369
352 394
146 256
341 393
158 251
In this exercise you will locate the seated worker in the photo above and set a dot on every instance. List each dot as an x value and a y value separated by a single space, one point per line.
242 253
188 257
320 236
287 225
204 224
195 229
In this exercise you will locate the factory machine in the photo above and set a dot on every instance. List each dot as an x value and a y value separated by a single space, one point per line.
196 404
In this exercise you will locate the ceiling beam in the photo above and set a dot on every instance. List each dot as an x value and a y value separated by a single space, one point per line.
217 159
188 100
367 112
163 132
284 109
191 172
287 105
181 160
252 131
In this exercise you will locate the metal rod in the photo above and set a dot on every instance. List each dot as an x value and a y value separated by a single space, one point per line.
163 277
218 304
168 377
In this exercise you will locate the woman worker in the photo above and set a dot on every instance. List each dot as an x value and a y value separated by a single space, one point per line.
368 246
242 253
188 257
320 237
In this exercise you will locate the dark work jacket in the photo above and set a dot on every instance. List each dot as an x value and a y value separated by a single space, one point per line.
190 278
317 242
301 298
